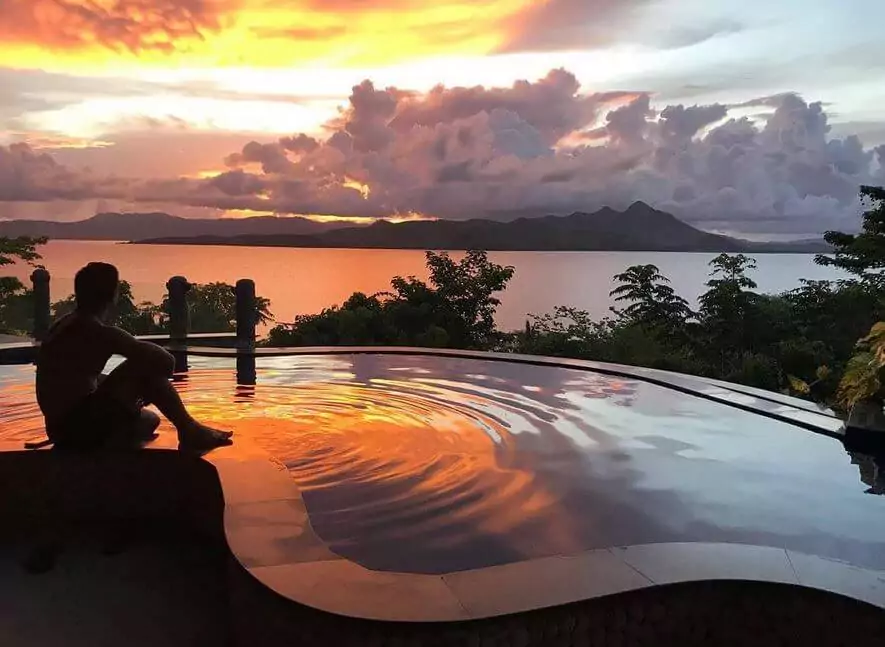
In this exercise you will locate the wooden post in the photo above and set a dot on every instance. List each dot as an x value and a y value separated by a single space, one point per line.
178 288
40 281
247 317
247 314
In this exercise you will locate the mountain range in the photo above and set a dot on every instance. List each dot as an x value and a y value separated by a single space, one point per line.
639 228
137 226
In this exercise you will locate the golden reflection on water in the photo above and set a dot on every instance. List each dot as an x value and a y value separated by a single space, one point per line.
395 460
403 457
433 465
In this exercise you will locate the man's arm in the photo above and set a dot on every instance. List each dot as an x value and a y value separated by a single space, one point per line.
142 353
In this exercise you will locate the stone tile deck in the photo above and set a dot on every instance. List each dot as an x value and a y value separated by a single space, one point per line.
167 589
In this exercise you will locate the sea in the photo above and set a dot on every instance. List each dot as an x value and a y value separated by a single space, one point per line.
304 281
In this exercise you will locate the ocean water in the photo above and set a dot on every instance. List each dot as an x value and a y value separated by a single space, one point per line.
304 281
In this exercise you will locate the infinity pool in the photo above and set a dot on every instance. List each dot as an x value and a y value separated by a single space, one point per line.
434 464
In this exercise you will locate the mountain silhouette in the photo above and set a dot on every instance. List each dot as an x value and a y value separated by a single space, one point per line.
639 228
136 226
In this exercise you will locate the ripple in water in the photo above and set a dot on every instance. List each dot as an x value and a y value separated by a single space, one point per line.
402 463
433 465
394 465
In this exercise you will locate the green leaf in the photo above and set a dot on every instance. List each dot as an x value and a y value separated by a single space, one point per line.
798 385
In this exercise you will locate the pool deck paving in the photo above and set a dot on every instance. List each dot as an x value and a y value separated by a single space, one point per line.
165 589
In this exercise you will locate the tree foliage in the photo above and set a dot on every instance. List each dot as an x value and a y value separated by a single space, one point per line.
211 307
16 301
864 375
456 309
22 249
652 303
862 254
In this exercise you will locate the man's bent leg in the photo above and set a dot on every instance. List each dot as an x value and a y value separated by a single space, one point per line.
132 386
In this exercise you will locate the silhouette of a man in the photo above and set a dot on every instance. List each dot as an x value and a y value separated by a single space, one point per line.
85 409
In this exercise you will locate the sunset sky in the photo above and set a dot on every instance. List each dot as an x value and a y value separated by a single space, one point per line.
752 117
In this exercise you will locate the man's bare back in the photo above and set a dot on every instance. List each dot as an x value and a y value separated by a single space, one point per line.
69 364
85 409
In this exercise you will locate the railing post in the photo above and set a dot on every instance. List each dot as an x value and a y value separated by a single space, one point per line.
178 288
247 317
40 282
247 314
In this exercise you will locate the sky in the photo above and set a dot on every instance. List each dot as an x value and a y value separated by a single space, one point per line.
751 117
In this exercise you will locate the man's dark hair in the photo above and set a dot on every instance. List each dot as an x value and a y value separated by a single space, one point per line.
95 287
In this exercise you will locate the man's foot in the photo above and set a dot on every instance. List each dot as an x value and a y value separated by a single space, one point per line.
200 438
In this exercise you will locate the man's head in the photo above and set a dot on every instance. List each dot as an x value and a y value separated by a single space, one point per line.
95 288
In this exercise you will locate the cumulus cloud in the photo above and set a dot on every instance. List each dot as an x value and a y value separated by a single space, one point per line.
133 25
27 175
531 148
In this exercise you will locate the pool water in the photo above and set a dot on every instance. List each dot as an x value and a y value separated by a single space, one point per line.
432 465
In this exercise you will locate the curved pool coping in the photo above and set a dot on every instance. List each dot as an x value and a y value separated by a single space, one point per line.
268 530
269 533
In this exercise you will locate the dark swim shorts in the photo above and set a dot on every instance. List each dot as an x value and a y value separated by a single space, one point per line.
98 421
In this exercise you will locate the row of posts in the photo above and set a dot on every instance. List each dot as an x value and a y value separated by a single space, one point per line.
179 324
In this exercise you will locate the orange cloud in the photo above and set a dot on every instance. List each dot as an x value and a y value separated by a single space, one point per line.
252 33
117 26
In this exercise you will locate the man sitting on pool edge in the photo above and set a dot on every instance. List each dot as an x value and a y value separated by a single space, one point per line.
87 410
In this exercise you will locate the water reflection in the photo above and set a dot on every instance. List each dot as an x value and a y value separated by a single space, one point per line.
432 464
872 471
246 372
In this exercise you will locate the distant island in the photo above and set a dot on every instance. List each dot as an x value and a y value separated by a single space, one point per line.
639 228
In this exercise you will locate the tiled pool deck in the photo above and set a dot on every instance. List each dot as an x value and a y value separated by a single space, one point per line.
268 530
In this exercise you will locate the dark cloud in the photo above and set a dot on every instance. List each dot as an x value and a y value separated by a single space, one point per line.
271 157
120 25
531 148
27 175
680 124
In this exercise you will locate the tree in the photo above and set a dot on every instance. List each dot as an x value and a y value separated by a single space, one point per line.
863 254
213 308
144 318
456 310
16 301
863 378
652 302
465 289
725 306
22 248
